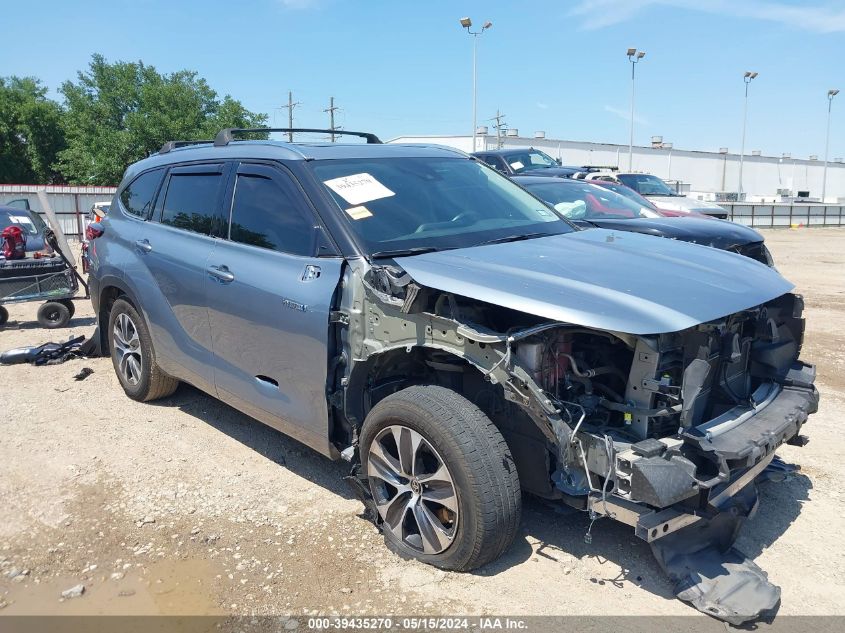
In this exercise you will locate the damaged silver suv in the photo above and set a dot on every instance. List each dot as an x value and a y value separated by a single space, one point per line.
409 309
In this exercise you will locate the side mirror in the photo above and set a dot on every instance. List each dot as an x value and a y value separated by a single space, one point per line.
558 161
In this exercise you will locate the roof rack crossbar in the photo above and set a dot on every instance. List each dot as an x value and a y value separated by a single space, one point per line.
227 135
171 145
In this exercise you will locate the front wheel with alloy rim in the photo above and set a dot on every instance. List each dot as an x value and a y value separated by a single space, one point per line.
133 356
442 478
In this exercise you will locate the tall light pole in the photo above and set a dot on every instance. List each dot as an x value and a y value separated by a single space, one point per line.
467 24
830 95
634 56
747 77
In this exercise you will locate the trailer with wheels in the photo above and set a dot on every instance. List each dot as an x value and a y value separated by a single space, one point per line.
52 280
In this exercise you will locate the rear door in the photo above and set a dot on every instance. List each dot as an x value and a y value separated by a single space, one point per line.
269 298
169 272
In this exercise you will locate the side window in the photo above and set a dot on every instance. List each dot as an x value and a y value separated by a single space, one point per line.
265 214
191 202
139 195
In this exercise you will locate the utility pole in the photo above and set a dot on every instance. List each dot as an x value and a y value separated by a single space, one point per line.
830 95
290 106
634 56
467 24
747 77
331 110
500 125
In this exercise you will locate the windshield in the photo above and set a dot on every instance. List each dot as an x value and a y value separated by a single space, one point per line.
583 201
646 185
627 192
528 160
433 203
22 220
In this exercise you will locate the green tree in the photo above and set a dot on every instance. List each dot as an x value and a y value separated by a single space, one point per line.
119 113
30 132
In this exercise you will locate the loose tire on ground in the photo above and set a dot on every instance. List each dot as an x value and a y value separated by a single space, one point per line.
477 460
133 355
52 315
4 316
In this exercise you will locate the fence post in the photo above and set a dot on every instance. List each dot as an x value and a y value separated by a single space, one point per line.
752 216
78 217
791 208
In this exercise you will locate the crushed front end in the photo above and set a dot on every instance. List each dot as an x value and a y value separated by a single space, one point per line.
668 433
665 432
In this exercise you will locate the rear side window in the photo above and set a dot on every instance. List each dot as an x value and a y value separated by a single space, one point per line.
191 202
265 214
138 197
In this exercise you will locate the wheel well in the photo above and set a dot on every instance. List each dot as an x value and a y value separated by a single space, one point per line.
108 296
396 369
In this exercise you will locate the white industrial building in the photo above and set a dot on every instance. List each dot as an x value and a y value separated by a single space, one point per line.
709 175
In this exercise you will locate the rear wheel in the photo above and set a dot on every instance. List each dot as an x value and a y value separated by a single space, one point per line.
442 477
53 314
133 356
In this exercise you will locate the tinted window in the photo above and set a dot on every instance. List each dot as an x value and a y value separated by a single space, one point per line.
139 196
265 215
646 185
191 203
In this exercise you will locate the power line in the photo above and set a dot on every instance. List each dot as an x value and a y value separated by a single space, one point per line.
290 106
331 110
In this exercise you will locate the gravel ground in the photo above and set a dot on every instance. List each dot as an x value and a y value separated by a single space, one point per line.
187 506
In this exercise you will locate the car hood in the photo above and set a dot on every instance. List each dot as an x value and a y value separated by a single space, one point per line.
709 232
608 280
683 203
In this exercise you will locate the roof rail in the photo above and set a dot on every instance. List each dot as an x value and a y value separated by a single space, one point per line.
171 145
227 135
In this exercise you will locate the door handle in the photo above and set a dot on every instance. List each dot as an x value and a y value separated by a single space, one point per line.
221 273
143 245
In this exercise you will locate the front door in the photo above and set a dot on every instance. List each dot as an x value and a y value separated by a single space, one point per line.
269 300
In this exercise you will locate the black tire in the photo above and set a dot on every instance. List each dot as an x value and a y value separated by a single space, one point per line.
479 463
4 316
150 381
70 306
52 315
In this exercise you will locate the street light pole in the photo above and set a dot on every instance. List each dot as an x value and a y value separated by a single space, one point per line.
830 95
747 77
467 24
634 56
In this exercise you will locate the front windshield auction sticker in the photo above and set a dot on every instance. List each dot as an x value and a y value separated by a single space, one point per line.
517 165
359 213
359 188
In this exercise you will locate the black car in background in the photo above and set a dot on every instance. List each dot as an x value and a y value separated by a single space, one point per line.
589 205
525 161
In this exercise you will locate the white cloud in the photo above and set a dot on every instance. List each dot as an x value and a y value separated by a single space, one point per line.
820 18
625 114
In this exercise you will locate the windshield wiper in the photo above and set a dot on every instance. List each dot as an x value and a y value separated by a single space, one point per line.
515 238
402 252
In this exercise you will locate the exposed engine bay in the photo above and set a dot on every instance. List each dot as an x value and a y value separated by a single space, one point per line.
665 432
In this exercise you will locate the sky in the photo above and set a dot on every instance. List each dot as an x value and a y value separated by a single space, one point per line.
405 67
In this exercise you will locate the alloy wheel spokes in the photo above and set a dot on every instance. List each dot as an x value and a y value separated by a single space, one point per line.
127 347
413 489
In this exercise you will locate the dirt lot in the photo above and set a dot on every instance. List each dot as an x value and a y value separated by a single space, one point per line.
187 506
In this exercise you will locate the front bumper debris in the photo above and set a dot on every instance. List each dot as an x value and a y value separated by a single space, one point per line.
693 538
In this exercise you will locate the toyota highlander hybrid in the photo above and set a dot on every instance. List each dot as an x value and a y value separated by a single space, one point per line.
413 311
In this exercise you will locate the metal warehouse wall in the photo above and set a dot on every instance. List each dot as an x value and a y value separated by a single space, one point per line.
706 172
70 203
